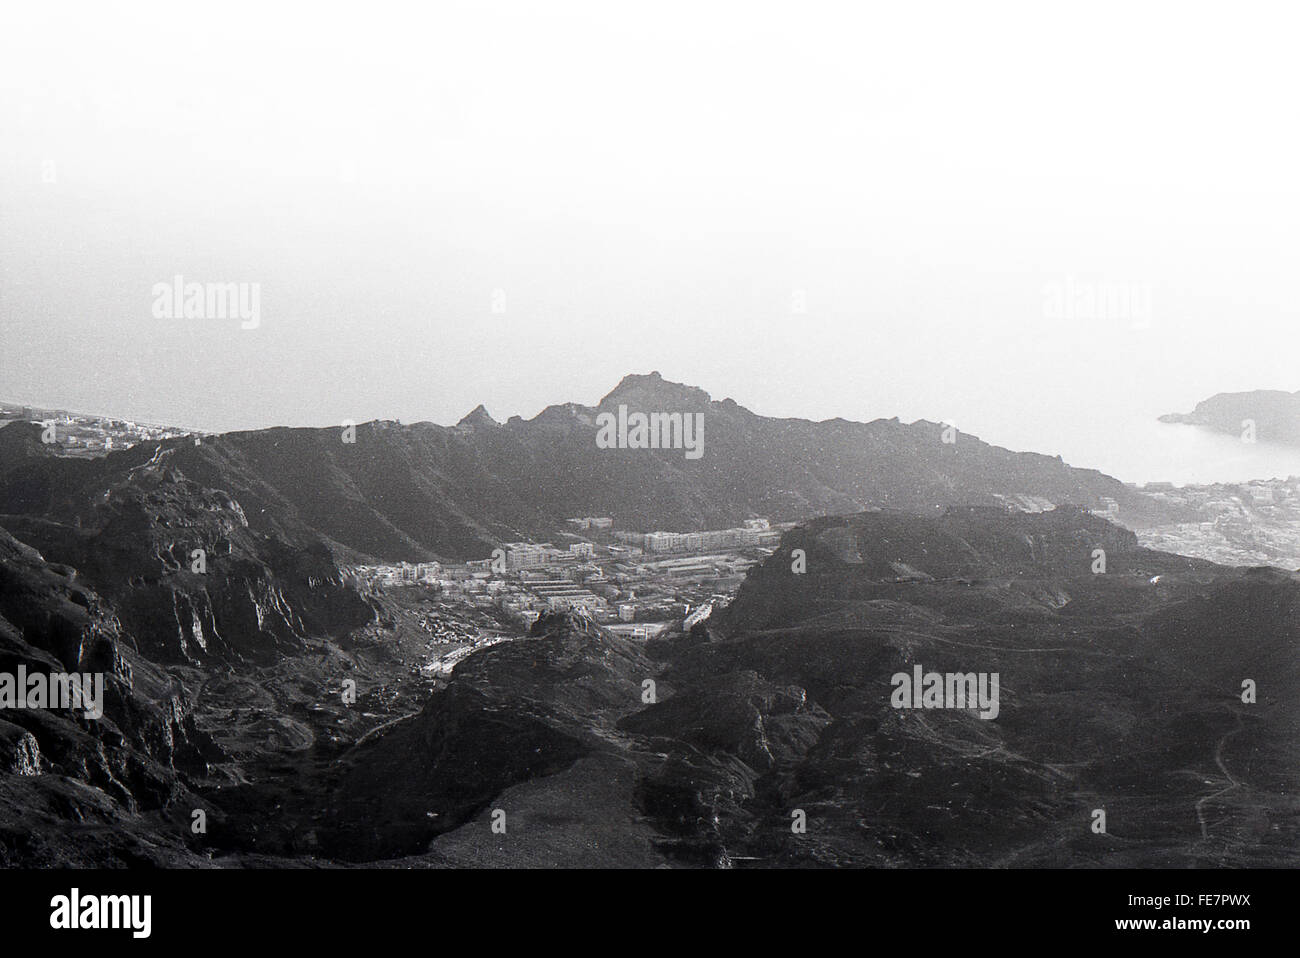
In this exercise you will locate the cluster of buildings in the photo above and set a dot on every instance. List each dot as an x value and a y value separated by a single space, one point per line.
1243 523
539 555
755 533
654 581
401 573
521 593
534 596
78 435
1227 497
591 523
1109 508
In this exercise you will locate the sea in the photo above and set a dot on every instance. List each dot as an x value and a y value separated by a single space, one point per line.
1146 450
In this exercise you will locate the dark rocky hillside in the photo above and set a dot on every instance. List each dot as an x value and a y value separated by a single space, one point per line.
130 524
1120 691
77 791
420 491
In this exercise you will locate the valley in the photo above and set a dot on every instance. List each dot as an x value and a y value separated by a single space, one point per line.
337 661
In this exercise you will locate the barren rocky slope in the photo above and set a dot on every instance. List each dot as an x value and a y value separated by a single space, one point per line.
1118 693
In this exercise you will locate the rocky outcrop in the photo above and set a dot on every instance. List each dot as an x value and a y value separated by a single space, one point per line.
1263 415
1120 689
20 753
762 724
189 578
512 713
126 764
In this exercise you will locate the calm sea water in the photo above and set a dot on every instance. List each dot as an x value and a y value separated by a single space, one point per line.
1146 450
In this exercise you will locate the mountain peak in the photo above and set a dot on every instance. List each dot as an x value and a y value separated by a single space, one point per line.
478 417
650 391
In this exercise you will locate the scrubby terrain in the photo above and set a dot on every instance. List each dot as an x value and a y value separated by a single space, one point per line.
262 707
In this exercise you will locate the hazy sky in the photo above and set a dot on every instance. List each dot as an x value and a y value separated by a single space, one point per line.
818 211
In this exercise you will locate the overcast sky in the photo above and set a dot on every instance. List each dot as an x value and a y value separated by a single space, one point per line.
817 211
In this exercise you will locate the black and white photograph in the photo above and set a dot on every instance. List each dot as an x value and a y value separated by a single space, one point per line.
444 443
